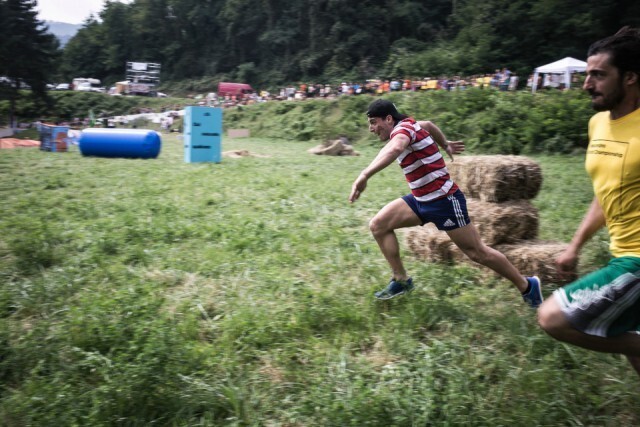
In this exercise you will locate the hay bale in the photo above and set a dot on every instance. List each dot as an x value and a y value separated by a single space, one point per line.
532 257
504 222
236 154
430 244
535 257
337 147
496 178
497 223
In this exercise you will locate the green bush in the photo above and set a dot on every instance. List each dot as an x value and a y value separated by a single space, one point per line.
489 121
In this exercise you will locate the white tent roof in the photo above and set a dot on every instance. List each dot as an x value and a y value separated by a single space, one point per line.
564 66
567 64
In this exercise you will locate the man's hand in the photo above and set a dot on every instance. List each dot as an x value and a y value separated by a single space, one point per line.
593 221
358 187
567 262
454 147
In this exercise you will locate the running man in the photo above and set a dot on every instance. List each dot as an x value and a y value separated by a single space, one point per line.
434 198
601 311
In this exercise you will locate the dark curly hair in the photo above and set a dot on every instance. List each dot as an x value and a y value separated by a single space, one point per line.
623 48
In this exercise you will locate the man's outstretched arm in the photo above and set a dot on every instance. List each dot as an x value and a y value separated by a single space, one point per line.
385 157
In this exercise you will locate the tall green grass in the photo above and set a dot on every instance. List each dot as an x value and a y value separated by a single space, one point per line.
154 292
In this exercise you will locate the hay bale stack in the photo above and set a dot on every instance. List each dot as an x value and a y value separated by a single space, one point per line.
497 190
496 178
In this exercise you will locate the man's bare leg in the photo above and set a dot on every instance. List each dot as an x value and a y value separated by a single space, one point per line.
553 321
468 240
635 362
396 214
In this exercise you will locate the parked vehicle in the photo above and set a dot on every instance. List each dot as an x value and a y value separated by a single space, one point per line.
87 85
239 90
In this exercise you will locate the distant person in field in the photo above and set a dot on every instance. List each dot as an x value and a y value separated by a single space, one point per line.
434 198
601 311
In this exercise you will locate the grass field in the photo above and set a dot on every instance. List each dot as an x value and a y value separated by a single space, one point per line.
155 292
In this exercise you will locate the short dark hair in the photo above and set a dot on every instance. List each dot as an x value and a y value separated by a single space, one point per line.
623 48
383 108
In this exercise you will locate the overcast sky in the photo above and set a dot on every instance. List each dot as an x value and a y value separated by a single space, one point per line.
70 11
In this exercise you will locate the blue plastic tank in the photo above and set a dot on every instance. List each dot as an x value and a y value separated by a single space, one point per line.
129 143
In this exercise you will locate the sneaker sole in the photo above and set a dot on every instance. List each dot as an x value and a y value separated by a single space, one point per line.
393 296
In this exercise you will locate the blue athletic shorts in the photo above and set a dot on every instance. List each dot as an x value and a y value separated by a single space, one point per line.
447 213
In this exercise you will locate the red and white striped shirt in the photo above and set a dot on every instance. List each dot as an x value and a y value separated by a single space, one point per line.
422 163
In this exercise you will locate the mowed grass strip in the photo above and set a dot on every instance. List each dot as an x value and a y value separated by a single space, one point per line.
154 291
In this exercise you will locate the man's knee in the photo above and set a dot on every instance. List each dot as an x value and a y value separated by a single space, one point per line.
479 254
635 362
377 226
551 318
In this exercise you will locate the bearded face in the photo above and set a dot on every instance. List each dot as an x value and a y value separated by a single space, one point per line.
603 83
607 99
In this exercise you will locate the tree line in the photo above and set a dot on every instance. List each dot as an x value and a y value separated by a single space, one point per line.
274 42
267 42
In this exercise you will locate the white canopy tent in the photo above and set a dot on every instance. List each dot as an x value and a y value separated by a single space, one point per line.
564 66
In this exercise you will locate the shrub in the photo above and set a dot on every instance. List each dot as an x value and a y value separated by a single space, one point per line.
489 121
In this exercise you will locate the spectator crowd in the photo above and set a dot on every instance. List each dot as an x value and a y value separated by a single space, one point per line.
502 79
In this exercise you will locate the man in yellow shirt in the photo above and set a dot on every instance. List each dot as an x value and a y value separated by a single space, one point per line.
601 311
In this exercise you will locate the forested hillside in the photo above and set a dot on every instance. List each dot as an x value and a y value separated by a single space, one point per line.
270 42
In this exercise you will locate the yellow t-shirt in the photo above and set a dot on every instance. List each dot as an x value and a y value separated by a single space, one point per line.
613 162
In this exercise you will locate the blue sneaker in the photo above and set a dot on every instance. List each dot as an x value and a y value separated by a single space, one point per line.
534 296
395 288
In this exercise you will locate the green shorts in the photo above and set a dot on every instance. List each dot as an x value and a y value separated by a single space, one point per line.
605 303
